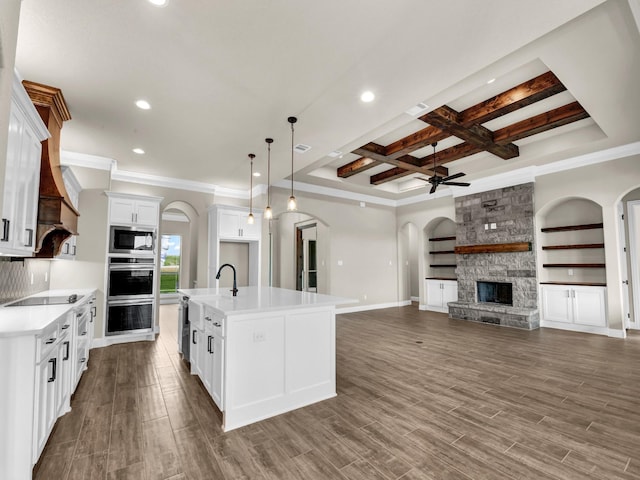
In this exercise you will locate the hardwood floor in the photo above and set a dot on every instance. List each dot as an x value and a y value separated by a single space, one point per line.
419 397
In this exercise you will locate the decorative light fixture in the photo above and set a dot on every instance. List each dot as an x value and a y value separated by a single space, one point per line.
268 214
250 218
292 205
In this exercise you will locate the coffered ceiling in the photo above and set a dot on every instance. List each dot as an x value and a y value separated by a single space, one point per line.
223 76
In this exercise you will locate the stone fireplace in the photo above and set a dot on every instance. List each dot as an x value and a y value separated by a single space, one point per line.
495 258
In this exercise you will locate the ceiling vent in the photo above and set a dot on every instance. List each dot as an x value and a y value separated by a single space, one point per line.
301 148
418 109
335 154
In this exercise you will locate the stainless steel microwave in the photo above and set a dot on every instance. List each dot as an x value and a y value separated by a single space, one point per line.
132 240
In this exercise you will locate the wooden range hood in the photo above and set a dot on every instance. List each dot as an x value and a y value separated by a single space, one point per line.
57 217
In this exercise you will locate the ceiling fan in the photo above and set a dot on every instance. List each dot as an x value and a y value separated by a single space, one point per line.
436 180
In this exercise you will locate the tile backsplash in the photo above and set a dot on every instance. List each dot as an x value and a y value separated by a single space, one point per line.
16 278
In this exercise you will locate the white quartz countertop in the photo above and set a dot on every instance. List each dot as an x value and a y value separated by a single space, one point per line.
260 299
32 320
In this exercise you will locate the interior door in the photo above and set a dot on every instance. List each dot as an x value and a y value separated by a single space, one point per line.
633 210
307 258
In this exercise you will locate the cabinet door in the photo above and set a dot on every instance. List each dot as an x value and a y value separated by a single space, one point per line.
146 213
28 192
121 211
65 372
589 306
218 371
46 412
449 292
229 225
434 293
207 364
12 169
196 340
556 303
250 232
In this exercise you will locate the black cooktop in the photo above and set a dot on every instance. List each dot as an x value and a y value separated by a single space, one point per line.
46 300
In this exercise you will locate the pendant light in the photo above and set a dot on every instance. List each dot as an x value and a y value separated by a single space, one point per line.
292 205
268 214
250 219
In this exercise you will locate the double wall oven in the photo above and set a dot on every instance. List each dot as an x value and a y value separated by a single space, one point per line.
130 294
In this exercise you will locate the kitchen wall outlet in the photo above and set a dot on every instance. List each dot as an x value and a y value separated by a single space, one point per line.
364 297
363 205
339 263
259 337
46 276
493 226
31 278
570 272
486 226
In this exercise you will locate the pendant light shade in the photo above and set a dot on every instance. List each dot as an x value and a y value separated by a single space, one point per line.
250 218
268 214
292 205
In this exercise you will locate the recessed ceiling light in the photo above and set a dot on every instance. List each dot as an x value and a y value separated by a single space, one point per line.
143 104
139 151
367 96
159 3
491 80
256 174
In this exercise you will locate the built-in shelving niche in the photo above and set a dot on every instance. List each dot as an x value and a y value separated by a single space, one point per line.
440 258
571 240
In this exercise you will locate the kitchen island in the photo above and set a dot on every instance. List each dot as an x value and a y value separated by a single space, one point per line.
263 352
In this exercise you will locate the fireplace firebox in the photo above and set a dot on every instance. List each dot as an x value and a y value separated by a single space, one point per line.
495 292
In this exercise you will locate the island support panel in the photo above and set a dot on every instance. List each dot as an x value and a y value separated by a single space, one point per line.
276 362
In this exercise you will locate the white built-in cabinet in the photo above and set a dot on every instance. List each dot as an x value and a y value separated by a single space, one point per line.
125 209
207 349
439 293
69 247
573 307
229 224
22 175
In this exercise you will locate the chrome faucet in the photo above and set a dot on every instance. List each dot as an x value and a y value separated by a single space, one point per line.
235 288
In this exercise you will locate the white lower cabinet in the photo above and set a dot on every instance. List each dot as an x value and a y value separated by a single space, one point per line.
45 408
574 307
439 293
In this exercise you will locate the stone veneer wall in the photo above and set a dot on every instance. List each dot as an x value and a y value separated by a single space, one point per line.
512 210
15 278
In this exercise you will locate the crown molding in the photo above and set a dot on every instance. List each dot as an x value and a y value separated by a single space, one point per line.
23 102
513 177
86 160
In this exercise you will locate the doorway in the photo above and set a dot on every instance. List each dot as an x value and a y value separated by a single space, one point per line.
306 258
170 261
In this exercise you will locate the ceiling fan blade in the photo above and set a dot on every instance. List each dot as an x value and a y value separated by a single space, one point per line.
424 179
454 176
433 189
459 184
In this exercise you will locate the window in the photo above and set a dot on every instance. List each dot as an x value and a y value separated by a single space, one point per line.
170 263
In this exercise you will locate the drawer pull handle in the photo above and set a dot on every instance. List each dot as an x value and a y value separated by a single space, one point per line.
83 359
193 337
30 242
83 333
208 319
216 324
64 327
53 362
50 341
5 230
209 349
66 355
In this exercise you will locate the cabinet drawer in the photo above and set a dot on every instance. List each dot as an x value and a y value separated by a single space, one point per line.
214 322
46 341
83 327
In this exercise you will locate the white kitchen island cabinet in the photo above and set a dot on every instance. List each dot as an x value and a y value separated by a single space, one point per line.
266 351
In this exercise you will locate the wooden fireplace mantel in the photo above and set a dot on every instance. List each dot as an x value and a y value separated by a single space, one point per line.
494 248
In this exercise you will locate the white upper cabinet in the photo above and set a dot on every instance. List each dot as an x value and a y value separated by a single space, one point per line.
22 175
133 210
69 247
232 224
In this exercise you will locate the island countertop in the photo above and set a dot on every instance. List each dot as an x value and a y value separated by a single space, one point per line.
260 299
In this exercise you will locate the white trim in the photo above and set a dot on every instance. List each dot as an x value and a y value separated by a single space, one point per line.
335 192
159 181
633 225
506 179
415 299
635 11
87 161
573 327
23 102
378 306
612 332
174 217
126 338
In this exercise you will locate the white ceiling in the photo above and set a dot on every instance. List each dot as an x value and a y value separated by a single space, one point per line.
222 76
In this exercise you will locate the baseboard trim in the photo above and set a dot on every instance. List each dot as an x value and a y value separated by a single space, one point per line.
134 337
617 333
415 299
377 306
577 328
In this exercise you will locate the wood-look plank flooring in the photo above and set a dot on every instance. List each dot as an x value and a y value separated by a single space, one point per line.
419 397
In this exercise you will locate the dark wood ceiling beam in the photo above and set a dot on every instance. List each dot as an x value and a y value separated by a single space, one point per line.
531 91
446 118
357 166
557 117
415 141
389 175
407 162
